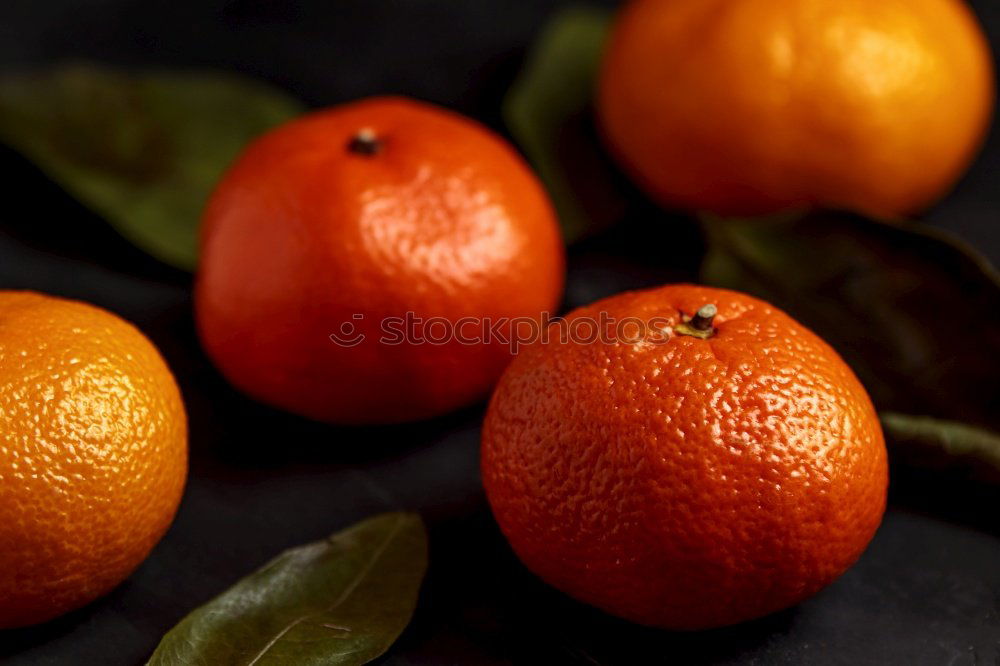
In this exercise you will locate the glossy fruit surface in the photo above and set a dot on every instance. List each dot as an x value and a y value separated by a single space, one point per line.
339 220
744 107
682 482
93 454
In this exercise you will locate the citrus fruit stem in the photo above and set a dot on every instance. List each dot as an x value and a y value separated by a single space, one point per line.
365 142
700 325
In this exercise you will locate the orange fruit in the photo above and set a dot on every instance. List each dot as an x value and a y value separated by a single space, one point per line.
335 223
93 454
684 482
746 107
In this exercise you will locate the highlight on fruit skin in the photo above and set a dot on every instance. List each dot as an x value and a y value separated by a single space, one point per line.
749 107
93 454
333 226
681 481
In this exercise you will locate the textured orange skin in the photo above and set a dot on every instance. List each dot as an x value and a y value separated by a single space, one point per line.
93 454
302 234
689 484
755 106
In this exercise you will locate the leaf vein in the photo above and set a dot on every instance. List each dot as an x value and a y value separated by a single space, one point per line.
343 596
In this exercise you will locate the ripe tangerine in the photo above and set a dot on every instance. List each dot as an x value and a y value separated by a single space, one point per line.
722 467
339 221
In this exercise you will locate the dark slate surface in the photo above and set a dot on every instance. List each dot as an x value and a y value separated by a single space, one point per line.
926 592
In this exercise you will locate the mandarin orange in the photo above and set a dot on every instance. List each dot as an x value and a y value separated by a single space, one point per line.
714 469
93 454
744 107
361 264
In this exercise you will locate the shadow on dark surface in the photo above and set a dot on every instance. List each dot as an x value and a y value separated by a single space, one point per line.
479 600
14 641
508 614
272 439
953 495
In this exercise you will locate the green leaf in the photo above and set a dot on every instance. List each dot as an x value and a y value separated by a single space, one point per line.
343 600
142 150
548 112
915 312
933 442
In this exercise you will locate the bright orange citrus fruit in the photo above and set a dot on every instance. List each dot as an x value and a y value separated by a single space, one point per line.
350 220
93 454
754 106
686 478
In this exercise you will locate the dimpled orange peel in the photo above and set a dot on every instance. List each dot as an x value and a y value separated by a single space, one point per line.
93 454
351 217
725 467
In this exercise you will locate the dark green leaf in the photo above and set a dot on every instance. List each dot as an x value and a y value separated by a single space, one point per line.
933 442
141 150
548 111
344 600
915 312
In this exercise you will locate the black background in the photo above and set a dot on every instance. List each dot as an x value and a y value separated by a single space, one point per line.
926 592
